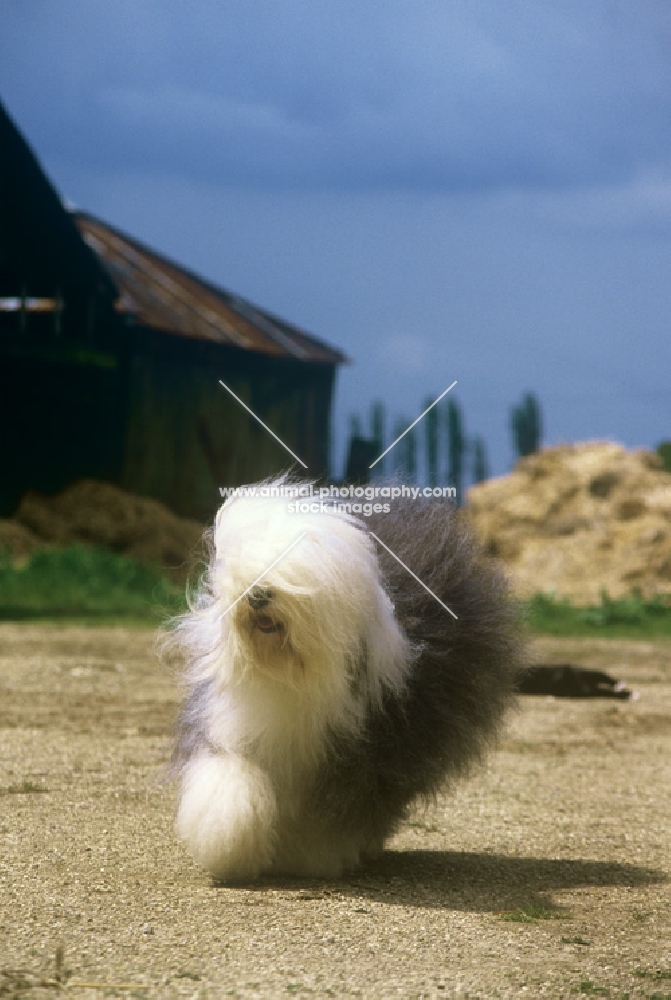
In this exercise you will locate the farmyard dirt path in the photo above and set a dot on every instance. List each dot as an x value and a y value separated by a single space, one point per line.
544 876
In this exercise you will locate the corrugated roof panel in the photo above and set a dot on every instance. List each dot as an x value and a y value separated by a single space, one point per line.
162 295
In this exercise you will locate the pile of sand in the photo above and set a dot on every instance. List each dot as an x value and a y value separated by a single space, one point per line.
580 519
94 513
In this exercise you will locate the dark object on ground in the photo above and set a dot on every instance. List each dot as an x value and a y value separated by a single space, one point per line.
564 681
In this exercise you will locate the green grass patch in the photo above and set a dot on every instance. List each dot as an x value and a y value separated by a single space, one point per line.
87 583
591 989
24 788
655 974
530 914
627 617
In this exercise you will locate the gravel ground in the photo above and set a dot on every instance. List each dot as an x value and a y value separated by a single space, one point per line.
543 876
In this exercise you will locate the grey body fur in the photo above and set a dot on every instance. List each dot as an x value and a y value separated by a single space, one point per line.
462 680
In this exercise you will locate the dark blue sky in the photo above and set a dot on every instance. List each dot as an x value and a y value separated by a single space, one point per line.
468 190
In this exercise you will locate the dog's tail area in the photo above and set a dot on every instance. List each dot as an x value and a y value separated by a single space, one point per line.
462 677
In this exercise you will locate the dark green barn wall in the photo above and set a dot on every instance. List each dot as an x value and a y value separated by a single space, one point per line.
61 418
187 437
145 410
61 397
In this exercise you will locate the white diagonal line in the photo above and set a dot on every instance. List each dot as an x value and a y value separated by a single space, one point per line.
411 572
267 570
410 428
265 426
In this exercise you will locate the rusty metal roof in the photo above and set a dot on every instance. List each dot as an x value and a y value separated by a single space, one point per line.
160 294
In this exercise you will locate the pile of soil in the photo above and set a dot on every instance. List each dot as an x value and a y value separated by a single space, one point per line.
577 520
93 513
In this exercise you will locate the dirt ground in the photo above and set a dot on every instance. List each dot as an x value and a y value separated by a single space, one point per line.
545 875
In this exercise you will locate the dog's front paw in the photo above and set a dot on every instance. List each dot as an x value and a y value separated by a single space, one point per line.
227 815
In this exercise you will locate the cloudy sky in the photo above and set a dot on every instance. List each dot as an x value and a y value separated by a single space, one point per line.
459 189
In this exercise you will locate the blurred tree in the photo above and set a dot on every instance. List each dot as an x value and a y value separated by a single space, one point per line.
456 446
378 422
431 440
360 453
664 452
480 464
411 454
405 452
526 425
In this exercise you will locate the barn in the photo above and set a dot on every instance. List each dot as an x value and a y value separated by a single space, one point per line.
111 357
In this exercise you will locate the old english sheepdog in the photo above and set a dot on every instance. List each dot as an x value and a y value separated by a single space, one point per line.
326 687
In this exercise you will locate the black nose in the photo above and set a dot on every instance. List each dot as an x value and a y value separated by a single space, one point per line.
258 597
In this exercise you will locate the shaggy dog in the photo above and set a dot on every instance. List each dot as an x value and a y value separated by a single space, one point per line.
326 688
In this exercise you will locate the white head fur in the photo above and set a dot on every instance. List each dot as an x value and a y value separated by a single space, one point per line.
324 598
302 629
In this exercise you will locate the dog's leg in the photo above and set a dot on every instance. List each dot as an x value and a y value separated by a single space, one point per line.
227 816
312 849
